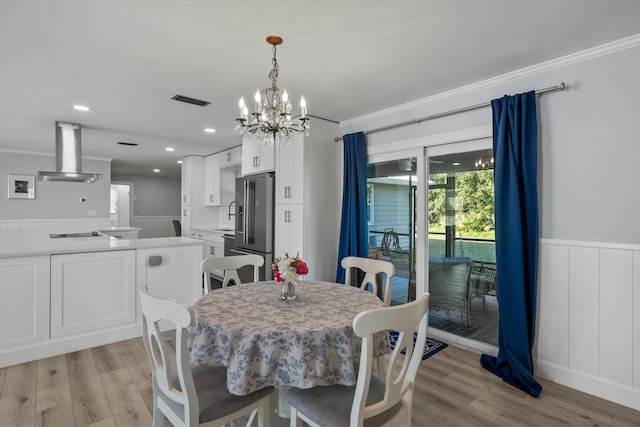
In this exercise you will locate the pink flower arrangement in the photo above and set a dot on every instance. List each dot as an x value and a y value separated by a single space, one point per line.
289 268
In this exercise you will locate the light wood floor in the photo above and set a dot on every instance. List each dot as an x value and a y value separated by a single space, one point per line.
110 386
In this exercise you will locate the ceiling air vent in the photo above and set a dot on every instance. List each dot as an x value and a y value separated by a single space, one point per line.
193 101
131 144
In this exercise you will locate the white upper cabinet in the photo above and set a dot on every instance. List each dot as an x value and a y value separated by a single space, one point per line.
290 176
219 173
186 178
194 210
231 157
212 180
257 158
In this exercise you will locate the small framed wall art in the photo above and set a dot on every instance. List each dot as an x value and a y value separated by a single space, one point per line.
22 186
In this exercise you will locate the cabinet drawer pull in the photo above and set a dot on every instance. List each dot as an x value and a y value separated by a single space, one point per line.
154 260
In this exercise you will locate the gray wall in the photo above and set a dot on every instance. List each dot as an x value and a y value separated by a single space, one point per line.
589 141
153 195
53 200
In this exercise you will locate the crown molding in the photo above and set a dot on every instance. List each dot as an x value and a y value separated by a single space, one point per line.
584 55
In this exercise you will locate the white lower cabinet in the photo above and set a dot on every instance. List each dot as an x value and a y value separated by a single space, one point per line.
289 227
92 291
24 301
172 272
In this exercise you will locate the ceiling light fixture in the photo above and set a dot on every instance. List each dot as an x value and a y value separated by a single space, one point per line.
81 108
484 163
156 170
210 130
170 149
272 115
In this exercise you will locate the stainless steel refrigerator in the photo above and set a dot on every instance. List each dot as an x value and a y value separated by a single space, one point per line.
254 222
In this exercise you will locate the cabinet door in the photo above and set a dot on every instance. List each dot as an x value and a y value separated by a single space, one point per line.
289 228
24 301
186 181
91 291
185 220
172 272
257 158
212 180
290 171
232 157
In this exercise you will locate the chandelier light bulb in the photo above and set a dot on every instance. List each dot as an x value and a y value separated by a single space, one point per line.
285 97
303 106
241 103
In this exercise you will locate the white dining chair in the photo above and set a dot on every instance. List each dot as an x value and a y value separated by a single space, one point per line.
187 396
371 267
229 265
373 401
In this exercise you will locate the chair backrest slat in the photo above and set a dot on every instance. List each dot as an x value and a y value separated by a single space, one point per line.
371 267
230 265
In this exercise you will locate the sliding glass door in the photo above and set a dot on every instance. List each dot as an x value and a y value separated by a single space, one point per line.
391 213
461 241
430 213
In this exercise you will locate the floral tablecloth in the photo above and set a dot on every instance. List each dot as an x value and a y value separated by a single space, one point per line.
263 340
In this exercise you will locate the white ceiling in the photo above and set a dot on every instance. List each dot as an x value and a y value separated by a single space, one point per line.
126 59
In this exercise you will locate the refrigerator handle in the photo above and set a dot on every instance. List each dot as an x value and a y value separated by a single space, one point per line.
249 212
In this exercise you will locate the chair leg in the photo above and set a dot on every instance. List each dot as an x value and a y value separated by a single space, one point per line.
295 421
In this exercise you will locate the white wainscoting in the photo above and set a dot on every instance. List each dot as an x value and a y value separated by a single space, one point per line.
154 226
588 331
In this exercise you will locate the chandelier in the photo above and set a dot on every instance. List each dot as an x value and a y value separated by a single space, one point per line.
272 111
483 164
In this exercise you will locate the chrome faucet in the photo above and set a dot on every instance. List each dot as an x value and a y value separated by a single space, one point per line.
231 214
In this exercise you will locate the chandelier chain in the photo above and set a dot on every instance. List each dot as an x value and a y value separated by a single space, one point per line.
273 75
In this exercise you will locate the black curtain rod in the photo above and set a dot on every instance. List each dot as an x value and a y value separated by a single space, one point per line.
562 86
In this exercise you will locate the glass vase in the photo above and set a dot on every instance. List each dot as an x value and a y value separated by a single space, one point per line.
289 290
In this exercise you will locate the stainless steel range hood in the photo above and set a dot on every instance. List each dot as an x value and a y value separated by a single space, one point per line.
68 156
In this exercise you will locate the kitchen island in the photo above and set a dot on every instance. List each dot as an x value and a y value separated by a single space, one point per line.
66 294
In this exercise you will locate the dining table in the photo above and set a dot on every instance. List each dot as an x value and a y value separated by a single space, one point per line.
264 340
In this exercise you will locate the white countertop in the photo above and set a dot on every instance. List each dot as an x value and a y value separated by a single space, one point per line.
42 244
119 229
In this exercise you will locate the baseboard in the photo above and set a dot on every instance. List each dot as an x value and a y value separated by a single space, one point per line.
596 386
56 347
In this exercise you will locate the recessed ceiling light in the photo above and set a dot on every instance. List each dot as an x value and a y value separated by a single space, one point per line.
210 130
170 149
81 108
456 163
179 162
156 170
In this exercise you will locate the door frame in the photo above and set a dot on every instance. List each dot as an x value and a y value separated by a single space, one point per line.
462 140
131 199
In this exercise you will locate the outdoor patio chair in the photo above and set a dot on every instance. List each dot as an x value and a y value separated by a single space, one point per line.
483 281
449 285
